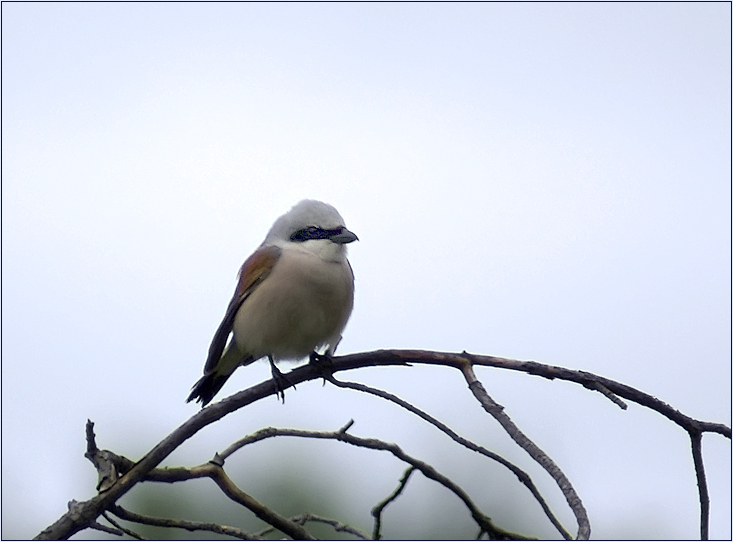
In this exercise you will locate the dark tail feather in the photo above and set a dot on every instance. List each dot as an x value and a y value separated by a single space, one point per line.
207 386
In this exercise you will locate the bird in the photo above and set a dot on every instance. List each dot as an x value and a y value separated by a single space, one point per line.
294 294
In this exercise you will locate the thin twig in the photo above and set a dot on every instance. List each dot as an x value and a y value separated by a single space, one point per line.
607 393
377 510
302 519
191 526
231 490
497 411
106 462
105 529
128 532
702 484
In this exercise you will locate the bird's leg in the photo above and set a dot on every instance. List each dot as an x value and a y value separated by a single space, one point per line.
281 381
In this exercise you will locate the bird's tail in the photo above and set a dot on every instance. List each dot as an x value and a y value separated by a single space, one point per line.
208 386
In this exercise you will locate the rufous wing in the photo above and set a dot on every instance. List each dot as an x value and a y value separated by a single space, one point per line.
253 271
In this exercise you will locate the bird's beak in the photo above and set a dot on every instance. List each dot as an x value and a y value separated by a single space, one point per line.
343 237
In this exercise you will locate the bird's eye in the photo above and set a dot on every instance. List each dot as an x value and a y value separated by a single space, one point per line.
311 232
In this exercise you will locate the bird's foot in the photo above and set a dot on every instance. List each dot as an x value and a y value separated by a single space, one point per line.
281 381
324 363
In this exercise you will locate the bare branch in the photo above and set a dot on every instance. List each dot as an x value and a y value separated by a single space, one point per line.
428 471
497 411
519 473
608 393
225 483
702 484
107 463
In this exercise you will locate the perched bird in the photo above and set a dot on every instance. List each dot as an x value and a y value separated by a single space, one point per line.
294 294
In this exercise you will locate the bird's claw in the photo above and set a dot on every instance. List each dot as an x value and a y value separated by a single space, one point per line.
281 381
324 363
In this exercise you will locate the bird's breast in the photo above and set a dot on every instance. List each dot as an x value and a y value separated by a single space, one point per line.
304 303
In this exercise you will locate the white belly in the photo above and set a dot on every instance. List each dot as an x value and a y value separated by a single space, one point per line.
303 304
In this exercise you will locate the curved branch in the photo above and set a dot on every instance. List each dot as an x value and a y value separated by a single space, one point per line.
497 411
589 380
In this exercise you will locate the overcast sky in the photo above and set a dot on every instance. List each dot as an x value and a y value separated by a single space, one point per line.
536 181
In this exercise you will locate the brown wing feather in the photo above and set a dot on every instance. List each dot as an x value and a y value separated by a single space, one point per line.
254 270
